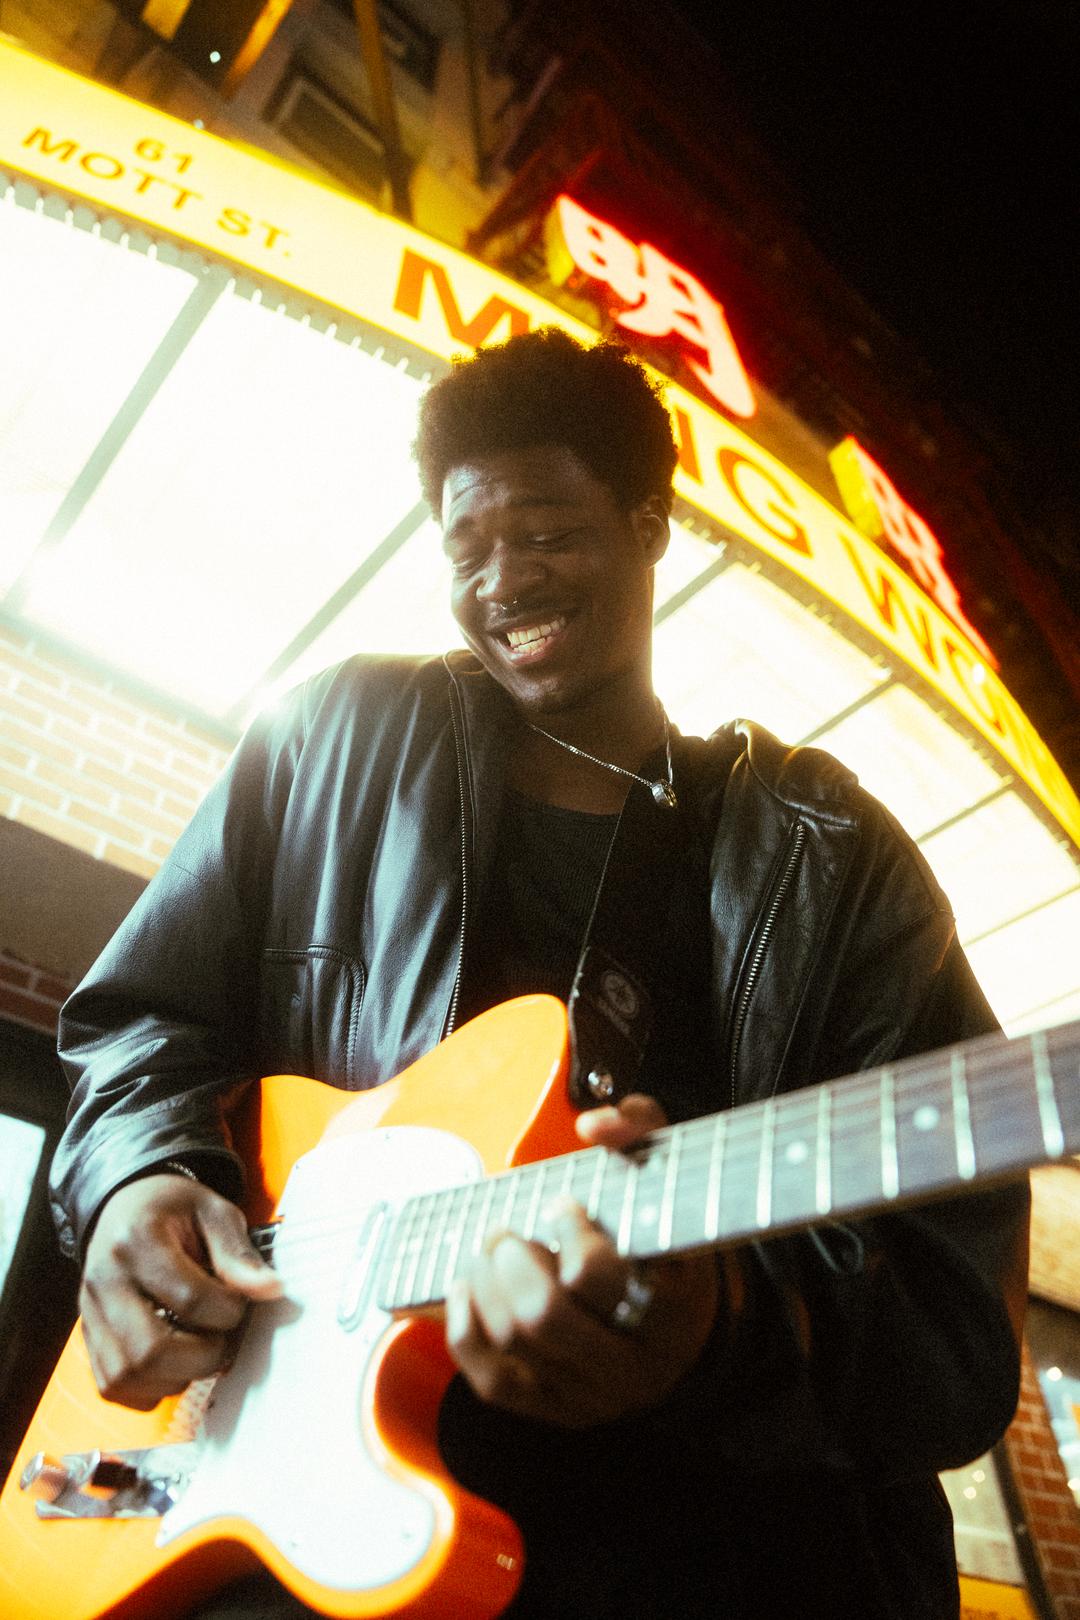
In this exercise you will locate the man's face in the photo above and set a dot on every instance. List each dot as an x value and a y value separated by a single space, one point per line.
552 581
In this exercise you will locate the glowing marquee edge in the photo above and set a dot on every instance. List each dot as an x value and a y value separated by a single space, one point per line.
85 141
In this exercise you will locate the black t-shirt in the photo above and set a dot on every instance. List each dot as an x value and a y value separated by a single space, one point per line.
531 919
530 925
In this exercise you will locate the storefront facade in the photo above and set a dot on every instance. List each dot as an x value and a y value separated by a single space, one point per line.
210 371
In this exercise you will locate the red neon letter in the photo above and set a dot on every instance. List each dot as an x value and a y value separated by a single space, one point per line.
663 298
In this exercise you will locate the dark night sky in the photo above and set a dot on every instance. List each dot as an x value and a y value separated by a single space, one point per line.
937 152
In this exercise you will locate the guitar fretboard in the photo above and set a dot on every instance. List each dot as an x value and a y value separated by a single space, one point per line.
891 1136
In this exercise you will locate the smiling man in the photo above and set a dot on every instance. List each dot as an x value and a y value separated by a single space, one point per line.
552 588
407 842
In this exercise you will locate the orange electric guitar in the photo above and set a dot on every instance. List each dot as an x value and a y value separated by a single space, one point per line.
315 1454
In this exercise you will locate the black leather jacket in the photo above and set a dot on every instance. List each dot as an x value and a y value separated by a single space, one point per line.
314 917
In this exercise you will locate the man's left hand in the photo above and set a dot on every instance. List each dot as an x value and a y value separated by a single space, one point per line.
536 1332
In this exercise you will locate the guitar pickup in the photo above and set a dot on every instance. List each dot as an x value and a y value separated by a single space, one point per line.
141 1484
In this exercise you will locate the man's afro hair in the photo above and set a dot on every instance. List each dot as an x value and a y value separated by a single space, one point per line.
544 388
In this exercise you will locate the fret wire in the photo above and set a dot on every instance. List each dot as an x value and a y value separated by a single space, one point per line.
996 1071
626 1212
965 1142
450 1269
532 1213
1049 1116
862 1127
440 1210
404 1222
994 1067
417 1242
765 1164
694 1173
823 1172
507 1222
592 1208
483 1219
890 1162
446 1244
851 1105
667 1197
712 1190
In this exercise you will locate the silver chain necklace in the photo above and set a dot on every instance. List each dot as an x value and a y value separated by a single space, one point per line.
662 792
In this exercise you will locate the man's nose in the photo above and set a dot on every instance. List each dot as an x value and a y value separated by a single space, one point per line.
509 574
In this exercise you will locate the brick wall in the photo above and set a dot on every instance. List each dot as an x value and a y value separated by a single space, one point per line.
87 764
1055 1249
30 995
1050 1508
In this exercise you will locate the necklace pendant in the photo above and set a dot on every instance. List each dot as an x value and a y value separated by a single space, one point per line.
664 794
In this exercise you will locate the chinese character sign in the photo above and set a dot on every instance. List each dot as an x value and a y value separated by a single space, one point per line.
881 512
662 298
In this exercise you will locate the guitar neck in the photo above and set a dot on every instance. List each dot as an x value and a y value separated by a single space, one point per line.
892 1136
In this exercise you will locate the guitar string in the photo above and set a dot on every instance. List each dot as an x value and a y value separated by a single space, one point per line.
693 1185
850 1193
855 1121
852 1136
855 1110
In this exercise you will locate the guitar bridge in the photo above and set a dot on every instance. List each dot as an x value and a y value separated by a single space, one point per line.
141 1484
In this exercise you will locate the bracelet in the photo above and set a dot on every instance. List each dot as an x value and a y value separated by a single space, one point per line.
179 1169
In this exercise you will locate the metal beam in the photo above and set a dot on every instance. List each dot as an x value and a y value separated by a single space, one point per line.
1021 916
844 714
328 612
962 815
698 583
203 296
382 90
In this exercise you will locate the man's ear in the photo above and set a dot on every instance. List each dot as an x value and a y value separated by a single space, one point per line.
652 528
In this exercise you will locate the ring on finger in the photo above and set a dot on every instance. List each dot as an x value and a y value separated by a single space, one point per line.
632 1308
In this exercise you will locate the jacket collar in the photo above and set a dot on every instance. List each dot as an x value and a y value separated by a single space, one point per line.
483 718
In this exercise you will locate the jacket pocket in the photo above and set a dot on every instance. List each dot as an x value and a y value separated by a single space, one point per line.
309 1008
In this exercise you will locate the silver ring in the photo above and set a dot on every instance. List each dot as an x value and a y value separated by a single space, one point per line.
170 1318
633 1307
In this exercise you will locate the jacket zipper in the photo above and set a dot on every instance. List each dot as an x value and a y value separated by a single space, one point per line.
459 746
798 839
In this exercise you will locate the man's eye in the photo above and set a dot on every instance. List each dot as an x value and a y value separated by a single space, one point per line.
557 537
464 563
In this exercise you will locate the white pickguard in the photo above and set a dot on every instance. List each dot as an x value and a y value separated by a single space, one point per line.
282 1444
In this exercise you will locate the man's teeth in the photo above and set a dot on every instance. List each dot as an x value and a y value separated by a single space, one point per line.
534 632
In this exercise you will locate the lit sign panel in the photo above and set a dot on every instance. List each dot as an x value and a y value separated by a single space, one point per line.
21 1144
881 512
80 140
662 298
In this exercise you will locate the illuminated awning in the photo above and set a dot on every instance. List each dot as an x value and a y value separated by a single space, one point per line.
205 484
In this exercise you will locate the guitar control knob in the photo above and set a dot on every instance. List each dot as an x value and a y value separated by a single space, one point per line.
45 1478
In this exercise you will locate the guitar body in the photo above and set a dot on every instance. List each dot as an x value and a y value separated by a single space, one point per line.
316 1455
318 1452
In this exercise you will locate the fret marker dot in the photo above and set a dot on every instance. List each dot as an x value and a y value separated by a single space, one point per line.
926 1117
647 1216
796 1152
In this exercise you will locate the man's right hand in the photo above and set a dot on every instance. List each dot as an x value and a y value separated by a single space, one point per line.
166 1244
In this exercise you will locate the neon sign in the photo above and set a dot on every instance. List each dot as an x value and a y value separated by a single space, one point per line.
881 512
663 299
78 139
